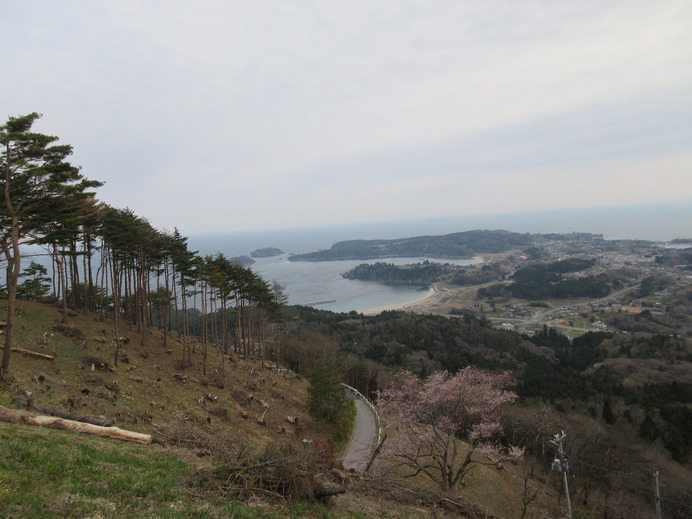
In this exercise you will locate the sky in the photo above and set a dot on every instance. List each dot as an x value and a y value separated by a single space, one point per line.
226 115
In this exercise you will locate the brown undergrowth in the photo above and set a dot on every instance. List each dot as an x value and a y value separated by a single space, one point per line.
211 422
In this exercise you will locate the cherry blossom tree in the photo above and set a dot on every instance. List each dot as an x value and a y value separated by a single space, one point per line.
426 418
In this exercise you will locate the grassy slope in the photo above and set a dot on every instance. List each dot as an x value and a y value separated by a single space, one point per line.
48 473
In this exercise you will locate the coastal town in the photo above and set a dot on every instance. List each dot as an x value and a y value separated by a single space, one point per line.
647 278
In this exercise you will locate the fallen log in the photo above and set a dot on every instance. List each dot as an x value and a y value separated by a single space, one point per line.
27 418
61 413
30 353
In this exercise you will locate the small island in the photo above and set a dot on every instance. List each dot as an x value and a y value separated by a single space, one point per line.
266 252
244 260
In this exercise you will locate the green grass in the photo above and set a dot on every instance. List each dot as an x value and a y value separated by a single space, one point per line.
47 473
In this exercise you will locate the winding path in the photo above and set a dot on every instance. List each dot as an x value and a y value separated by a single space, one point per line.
362 439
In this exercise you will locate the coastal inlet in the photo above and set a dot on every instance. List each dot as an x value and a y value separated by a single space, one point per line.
322 283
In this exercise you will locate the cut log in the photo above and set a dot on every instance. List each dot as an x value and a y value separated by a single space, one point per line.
30 353
27 418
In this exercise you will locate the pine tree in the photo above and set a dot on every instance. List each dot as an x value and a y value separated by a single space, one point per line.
326 394
37 285
37 185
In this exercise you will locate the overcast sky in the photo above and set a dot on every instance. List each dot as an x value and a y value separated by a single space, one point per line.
213 115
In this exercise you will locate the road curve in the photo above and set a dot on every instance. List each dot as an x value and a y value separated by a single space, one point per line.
362 439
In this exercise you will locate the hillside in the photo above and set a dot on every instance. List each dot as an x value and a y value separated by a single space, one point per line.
623 399
200 433
193 422
455 245
146 390
210 457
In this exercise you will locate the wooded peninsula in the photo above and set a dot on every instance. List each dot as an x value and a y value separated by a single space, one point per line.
464 244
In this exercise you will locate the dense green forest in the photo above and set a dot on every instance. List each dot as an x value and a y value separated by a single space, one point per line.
534 282
425 273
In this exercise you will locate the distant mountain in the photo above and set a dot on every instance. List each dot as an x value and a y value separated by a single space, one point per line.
456 245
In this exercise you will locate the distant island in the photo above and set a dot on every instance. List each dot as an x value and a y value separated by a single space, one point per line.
457 245
242 260
266 252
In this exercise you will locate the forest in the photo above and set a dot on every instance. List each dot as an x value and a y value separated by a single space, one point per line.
533 282
455 245
549 281
600 383
423 273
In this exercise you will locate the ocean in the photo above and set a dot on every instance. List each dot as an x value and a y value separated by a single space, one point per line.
321 284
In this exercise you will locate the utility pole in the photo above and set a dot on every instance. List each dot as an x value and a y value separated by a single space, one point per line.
560 465
658 496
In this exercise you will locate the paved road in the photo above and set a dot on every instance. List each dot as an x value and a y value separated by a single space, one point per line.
362 439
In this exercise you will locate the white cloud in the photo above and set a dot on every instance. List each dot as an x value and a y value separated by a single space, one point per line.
356 109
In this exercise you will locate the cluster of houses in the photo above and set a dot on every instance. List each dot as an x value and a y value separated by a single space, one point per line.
634 262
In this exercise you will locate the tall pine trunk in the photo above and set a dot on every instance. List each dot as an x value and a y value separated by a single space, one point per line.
14 265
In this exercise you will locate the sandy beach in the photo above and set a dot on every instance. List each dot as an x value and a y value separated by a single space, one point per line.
440 299
408 305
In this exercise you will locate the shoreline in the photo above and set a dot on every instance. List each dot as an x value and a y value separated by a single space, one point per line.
432 290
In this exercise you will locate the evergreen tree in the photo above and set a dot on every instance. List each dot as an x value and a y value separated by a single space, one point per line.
326 394
37 285
35 180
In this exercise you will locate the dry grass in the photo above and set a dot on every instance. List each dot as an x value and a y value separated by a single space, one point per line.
142 393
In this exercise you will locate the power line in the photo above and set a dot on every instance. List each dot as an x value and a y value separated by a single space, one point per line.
560 465
604 469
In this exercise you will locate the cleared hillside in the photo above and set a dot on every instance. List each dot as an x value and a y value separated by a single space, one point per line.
205 437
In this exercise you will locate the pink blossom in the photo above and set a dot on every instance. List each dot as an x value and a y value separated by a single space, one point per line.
426 417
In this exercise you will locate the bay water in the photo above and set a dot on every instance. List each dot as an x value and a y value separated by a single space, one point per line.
320 284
